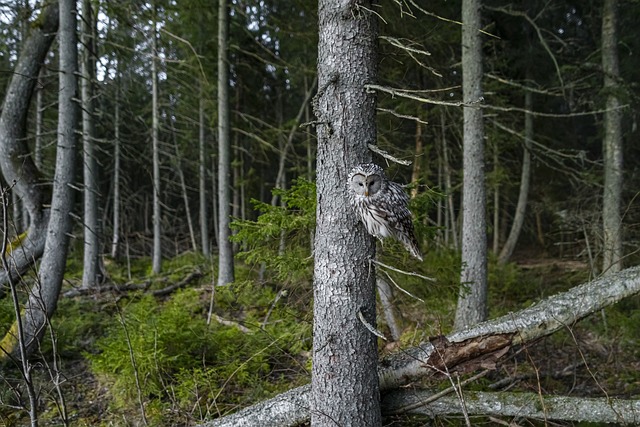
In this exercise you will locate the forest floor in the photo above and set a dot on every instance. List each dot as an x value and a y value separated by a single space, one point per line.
595 357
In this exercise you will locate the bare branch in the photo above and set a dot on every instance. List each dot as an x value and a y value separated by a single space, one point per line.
388 156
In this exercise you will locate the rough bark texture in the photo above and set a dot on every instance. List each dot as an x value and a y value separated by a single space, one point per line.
611 200
344 376
16 162
521 405
225 259
477 346
472 301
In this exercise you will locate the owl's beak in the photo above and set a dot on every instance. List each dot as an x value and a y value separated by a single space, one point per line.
366 193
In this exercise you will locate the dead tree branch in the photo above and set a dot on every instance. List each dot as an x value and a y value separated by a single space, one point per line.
477 347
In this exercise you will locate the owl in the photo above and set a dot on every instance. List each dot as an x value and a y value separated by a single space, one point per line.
382 206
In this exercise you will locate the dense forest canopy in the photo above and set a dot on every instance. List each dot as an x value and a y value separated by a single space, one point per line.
149 117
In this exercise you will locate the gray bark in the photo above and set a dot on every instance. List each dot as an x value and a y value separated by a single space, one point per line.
472 300
521 405
344 376
388 309
183 187
225 248
612 197
156 258
525 178
202 179
90 171
115 241
460 350
450 214
16 161
43 298
39 120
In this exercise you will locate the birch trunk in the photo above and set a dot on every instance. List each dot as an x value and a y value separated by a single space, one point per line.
344 374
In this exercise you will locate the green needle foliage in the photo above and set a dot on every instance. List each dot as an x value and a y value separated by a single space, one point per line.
280 239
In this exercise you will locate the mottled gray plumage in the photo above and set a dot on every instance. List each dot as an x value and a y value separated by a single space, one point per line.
382 206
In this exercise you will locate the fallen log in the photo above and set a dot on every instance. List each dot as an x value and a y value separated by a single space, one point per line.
520 405
478 346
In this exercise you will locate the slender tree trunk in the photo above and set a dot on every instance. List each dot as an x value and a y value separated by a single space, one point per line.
183 187
225 259
451 217
417 163
236 164
91 224
43 298
344 375
525 178
385 292
115 241
214 205
155 125
612 197
472 300
202 178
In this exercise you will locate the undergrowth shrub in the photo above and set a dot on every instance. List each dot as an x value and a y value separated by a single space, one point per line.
280 239
186 367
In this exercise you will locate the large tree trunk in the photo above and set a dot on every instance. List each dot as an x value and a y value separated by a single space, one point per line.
16 160
344 375
611 200
91 225
472 300
484 342
525 178
225 248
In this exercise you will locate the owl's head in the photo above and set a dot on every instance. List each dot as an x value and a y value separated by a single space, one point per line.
366 179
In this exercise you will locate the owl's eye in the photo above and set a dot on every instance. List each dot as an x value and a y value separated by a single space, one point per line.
360 184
